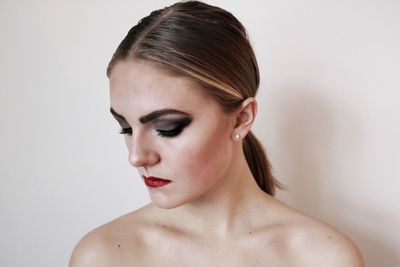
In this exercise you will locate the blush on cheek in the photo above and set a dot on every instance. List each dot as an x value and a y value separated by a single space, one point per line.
205 164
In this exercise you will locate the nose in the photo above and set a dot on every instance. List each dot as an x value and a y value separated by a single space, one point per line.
141 152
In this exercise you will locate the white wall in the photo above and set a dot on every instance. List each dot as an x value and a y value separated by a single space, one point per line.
328 117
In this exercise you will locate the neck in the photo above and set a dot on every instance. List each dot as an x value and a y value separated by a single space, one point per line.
230 208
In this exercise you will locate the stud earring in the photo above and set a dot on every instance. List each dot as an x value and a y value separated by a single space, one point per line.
237 137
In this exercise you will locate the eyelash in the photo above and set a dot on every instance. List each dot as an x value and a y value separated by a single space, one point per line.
168 134
171 133
125 131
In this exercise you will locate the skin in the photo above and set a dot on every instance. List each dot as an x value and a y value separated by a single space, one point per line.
212 213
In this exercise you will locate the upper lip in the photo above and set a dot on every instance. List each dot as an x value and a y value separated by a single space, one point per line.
154 177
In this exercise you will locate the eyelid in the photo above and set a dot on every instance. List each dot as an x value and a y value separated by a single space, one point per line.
127 130
124 125
172 123
163 127
178 127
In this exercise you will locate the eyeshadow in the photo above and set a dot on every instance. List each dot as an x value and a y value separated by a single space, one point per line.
171 124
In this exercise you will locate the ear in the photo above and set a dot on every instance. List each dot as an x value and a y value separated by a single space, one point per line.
245 117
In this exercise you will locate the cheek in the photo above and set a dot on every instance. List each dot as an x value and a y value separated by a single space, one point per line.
204 162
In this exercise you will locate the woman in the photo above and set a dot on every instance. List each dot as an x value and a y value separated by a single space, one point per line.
182 87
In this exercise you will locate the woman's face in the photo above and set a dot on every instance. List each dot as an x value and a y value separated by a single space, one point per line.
172 131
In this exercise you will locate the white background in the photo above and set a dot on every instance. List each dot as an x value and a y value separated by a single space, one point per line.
328 117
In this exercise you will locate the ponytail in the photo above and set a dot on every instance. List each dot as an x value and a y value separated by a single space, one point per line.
259 164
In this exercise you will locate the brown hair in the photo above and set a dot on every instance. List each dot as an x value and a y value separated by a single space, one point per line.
210 46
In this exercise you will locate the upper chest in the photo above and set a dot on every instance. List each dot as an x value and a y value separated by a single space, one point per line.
177 250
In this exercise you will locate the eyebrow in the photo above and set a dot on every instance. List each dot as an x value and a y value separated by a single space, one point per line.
151 116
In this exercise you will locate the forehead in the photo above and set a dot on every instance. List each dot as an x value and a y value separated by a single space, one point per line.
143 86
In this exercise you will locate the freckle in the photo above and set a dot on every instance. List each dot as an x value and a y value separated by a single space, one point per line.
119 245
250 233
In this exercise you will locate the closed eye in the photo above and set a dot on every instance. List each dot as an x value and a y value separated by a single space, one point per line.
127 131
165 129
172 129
170 133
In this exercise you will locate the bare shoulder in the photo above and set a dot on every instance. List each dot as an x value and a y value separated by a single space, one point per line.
313 243
91 250
316 244
107 245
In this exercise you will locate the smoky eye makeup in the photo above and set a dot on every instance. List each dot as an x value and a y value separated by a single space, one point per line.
163 127
171 127
126 130
165 122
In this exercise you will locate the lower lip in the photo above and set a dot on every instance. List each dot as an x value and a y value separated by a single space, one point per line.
155 182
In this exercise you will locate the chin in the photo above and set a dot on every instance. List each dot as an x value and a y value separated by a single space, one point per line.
165 203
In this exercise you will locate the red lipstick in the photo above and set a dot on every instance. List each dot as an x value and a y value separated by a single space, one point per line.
152 181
